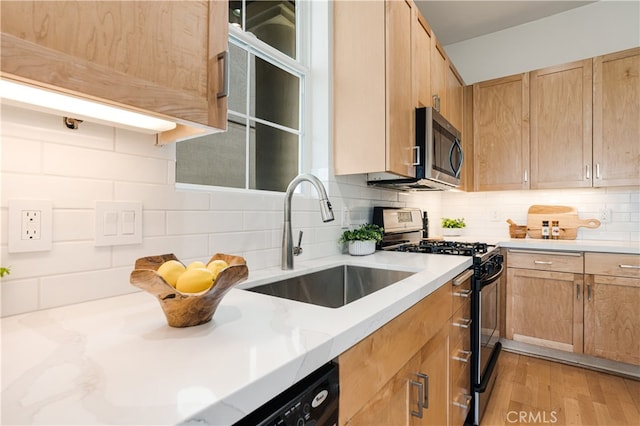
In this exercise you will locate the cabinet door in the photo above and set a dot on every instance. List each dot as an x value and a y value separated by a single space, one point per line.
545 308
421 60
438 74
400 139
501 133
359 125
612 318
159 57
616 128
392 404
455 97
561 126
433 375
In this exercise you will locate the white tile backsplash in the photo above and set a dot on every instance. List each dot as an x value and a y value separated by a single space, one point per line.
43 160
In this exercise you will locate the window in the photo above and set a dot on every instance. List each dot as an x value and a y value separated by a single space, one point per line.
263 143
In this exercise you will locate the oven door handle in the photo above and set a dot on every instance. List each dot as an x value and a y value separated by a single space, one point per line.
492 278
488 372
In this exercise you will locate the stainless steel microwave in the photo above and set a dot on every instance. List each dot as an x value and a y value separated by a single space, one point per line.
438 160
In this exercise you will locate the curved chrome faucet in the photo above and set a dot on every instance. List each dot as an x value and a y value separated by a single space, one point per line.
325 212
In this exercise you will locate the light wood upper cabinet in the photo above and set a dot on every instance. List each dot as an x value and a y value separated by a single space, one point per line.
438 76
616 127
400 113
163 58
454 98
561 126
501 133
421 60
373 90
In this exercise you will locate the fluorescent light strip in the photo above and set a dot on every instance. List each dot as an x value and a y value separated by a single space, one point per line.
45 100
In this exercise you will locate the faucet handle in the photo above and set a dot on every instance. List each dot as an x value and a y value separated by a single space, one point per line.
297 250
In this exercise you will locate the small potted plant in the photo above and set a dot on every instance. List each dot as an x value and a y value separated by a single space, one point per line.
362 240
452 227
4 271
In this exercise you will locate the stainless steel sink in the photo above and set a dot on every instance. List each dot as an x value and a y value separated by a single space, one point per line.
333 287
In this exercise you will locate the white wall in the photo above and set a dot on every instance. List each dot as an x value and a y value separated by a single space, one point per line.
584 32
486 212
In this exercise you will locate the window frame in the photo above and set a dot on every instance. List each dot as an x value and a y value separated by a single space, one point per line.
296 67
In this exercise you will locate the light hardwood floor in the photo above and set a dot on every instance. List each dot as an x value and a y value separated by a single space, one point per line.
535 391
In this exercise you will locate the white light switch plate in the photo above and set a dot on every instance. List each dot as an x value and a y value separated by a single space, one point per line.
30 226
118 223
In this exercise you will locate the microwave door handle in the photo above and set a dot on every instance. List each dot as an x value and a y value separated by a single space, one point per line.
456 170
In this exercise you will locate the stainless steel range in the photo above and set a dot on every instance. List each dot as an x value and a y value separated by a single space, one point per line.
403 230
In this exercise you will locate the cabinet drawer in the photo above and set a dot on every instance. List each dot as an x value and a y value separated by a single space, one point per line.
460 396
461 289
546 261
461 328
620 265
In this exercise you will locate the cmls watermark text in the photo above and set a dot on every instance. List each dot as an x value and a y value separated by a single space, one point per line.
532 417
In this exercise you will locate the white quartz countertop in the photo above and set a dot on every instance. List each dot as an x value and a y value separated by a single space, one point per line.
624 247
116 361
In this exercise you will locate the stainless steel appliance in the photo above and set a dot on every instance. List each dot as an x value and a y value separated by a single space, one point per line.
487 267
438 156
311 401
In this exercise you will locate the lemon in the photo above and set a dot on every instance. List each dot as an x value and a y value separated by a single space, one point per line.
215 266
196 264
194 280
170 271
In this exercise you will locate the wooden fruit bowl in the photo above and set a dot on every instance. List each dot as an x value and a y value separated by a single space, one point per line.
187 309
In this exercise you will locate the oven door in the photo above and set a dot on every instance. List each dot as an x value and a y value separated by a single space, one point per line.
485 338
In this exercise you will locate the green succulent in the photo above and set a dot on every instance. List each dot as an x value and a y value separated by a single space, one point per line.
364 232
4 271
453 223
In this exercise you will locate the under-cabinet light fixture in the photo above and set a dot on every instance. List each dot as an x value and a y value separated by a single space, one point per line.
52 102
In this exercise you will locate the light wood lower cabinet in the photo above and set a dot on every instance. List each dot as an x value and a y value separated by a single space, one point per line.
545 308
554 301
383 377
612 307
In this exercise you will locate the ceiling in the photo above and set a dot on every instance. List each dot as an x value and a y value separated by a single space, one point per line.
455 21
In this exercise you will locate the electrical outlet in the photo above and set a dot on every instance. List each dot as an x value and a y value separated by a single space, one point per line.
345 217
495 217
30 226
605 215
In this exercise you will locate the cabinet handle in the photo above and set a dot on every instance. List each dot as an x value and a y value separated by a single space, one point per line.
436 102
416 162
417 413
578 291
597 170
623 266
464 323
462 293
460 279
464 405
588 172
589 292
542 262
526 176
224 56
554 253
425 381
466 356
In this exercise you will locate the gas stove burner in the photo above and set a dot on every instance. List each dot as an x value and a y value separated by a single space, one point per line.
446 247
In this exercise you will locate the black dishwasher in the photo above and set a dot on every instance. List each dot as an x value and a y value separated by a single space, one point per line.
313 401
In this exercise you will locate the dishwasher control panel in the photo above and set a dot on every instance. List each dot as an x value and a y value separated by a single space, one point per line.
311 401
